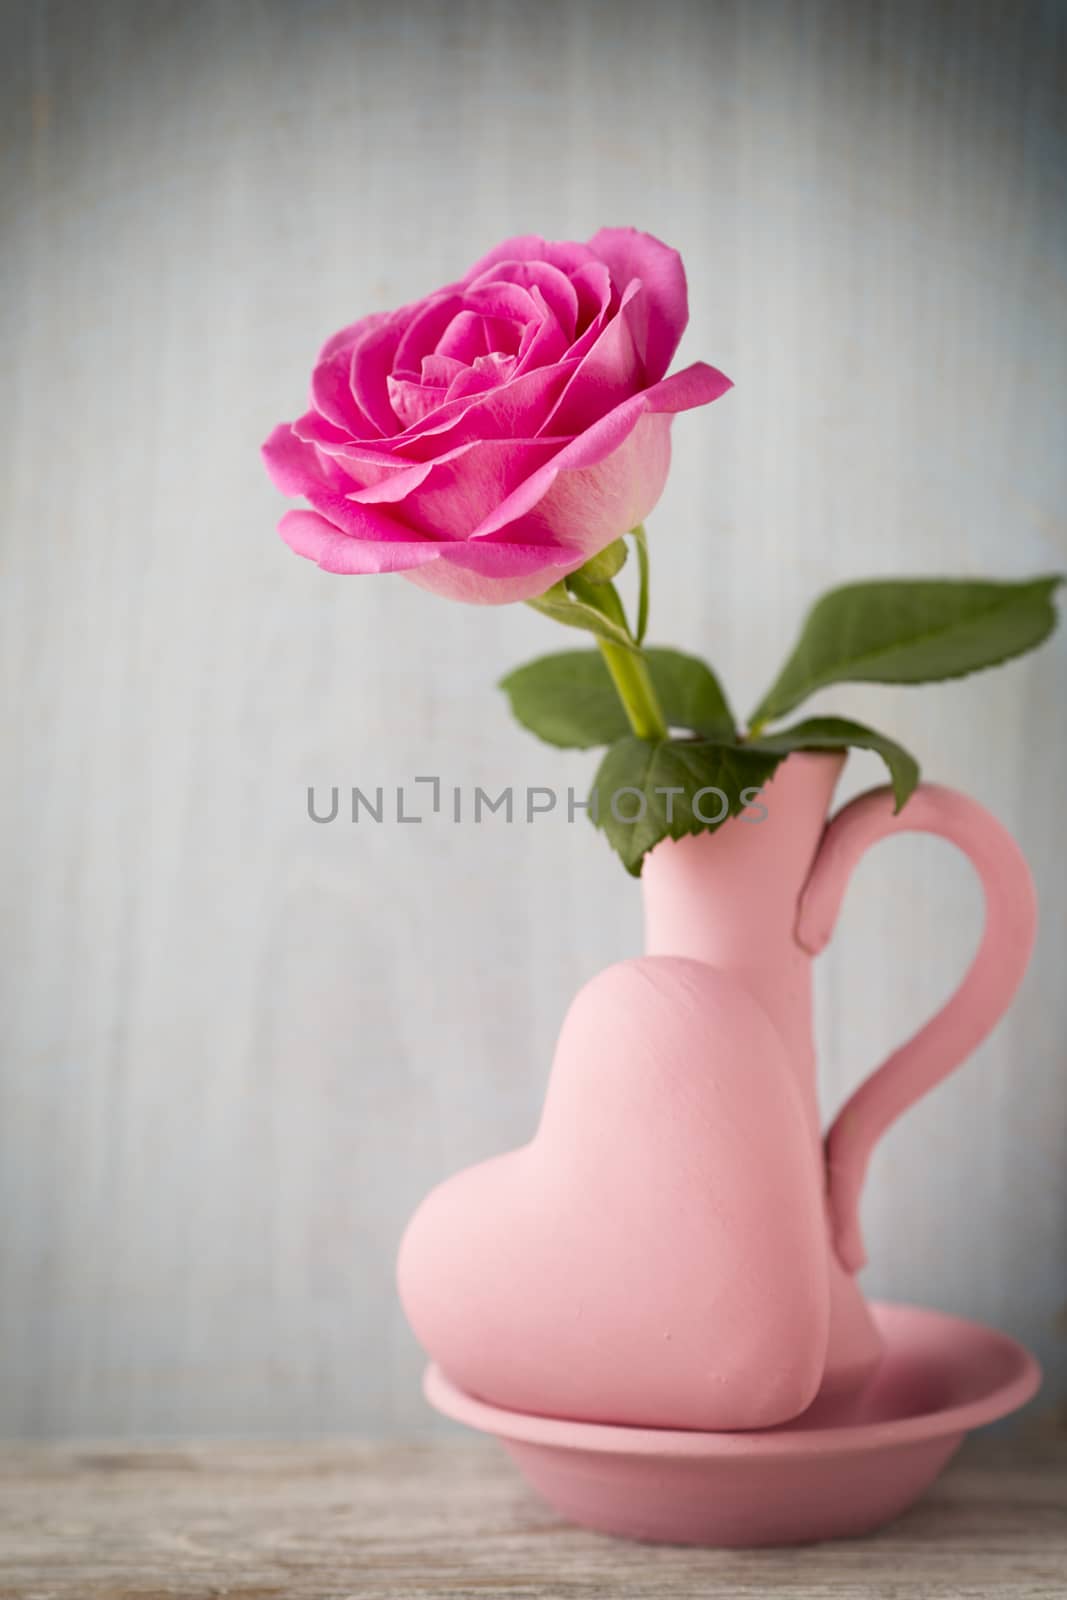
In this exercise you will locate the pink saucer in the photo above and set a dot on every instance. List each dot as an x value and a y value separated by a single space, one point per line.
843 1468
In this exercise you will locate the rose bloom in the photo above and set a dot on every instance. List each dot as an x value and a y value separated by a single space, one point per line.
489 439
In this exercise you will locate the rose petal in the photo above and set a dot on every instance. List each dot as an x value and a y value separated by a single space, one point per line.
553 287
495 574
696 385
362 463
602 500
295 467
424 330
518 407
508 301
312 536
596 297
457 492
411 400
543 342
471 381
464 338
629 255
358 519
610 372
314 428
440 370
567 255
405 479
332 397
345 338
371 362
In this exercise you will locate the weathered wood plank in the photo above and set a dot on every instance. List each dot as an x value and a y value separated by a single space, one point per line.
237 1047
385 1522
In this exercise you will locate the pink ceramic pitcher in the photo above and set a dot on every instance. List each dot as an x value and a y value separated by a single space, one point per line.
759 899
676 1246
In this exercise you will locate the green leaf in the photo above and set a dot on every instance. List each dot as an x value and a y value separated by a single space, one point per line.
690 693
602 567
640 539
570 700
559 604
910 631
567 700
836 733
630 806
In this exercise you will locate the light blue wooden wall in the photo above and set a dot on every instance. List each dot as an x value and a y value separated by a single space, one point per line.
237 1048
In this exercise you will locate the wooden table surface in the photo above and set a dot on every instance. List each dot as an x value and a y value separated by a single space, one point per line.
330 1521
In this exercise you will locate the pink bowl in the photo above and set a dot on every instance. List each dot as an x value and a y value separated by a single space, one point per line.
843 1468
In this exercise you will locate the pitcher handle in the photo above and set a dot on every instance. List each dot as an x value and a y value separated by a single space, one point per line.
975 1007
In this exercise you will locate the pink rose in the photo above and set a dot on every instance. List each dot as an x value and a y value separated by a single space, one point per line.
489 439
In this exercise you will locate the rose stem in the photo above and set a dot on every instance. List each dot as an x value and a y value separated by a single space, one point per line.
628 667
633 681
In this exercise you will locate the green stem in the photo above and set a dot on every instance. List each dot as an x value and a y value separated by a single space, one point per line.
640 539
627 664
633 682
628 668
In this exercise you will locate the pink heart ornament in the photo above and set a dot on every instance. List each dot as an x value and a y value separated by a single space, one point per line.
656 1256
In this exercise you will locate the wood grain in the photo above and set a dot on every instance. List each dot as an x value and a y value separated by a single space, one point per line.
236 1047
329 1522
